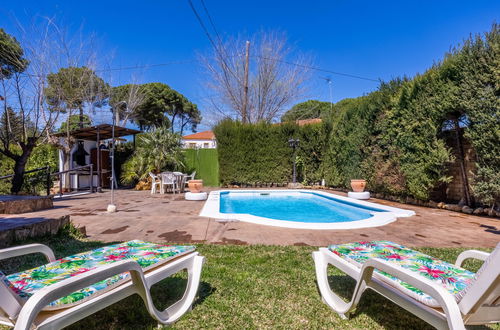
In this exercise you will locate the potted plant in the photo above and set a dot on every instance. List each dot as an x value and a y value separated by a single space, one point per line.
358 185
195 186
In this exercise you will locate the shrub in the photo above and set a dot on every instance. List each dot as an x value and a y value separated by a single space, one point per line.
157 150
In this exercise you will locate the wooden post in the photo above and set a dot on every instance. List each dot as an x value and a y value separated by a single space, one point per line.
91 178
244 110
60 185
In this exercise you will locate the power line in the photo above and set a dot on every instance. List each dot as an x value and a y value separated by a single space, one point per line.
216 48
318 69
211 22
147 66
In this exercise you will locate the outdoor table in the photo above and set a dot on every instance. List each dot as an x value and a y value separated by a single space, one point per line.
180 178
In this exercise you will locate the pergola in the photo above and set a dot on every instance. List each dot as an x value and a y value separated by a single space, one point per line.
99 133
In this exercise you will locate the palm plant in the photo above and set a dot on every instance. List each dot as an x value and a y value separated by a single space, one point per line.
157 150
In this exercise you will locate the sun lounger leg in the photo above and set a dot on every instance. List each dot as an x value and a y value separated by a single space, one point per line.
175 311
327 295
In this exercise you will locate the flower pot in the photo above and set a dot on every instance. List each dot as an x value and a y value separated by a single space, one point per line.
195 186
358 185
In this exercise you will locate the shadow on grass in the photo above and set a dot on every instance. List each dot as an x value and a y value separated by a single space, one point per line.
378 308
131 312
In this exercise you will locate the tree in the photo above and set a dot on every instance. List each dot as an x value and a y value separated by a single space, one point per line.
124 101
74 122
307 110
23 81
275 77
12 58
165 107
12 63
71 90
74 88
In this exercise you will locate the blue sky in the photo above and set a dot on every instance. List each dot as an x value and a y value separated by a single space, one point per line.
376 39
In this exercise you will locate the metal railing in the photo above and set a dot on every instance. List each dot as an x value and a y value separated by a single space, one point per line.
60 174
48 176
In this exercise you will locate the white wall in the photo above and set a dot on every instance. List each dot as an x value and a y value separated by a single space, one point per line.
200 144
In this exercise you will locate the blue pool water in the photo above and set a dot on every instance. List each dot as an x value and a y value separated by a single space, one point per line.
293 206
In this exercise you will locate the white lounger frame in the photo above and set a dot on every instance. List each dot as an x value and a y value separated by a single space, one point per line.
480 304
30 314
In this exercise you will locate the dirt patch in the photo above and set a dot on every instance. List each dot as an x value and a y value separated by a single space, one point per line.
231 241
114 231
150 231
300 244
364 235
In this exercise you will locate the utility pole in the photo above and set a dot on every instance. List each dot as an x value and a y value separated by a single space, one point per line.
244 114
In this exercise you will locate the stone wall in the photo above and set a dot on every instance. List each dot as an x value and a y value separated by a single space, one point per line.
13 204
20 230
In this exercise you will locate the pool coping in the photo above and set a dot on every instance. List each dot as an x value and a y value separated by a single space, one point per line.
212 207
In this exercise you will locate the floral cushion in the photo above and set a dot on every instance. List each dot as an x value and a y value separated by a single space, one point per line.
452 278
148 255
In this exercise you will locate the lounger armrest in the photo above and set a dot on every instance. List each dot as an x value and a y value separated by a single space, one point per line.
61 289
441 295
21 250
471 254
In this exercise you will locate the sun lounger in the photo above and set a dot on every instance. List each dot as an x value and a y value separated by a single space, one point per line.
64 291
442 294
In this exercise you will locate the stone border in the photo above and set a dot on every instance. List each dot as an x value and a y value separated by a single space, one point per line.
33 230
11 204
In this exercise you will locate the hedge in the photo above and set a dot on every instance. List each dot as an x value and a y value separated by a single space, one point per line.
393 137
205 163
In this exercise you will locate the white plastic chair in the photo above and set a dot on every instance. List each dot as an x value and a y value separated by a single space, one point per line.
169 179
155 181
480 303
30 314
191 176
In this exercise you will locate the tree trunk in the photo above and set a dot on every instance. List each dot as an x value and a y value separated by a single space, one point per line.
80 124
461 159
19 167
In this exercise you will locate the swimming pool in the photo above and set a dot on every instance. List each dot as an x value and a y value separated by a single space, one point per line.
304 209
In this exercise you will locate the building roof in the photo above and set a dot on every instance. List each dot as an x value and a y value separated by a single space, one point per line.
206 135
104 131
302 122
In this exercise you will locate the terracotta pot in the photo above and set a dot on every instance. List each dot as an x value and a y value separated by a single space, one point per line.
358 185
195 186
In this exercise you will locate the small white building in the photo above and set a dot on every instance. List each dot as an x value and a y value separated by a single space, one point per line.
201 140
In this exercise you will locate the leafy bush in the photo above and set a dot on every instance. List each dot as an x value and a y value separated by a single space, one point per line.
260 153
157 150
393 137
206 164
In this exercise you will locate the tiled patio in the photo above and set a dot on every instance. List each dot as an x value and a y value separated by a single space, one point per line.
169 218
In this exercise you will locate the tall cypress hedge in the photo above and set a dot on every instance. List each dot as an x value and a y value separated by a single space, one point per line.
392 137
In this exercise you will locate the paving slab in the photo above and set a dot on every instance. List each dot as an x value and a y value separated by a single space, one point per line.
170 218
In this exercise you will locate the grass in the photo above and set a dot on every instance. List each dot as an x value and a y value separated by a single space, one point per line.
246 287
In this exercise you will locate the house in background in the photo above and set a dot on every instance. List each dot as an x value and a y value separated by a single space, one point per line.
201 140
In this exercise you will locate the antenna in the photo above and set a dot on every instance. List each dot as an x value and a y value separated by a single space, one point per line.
329 81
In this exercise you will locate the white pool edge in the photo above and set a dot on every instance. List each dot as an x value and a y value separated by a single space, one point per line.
212 207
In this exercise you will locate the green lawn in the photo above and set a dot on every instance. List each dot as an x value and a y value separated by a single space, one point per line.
246 287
